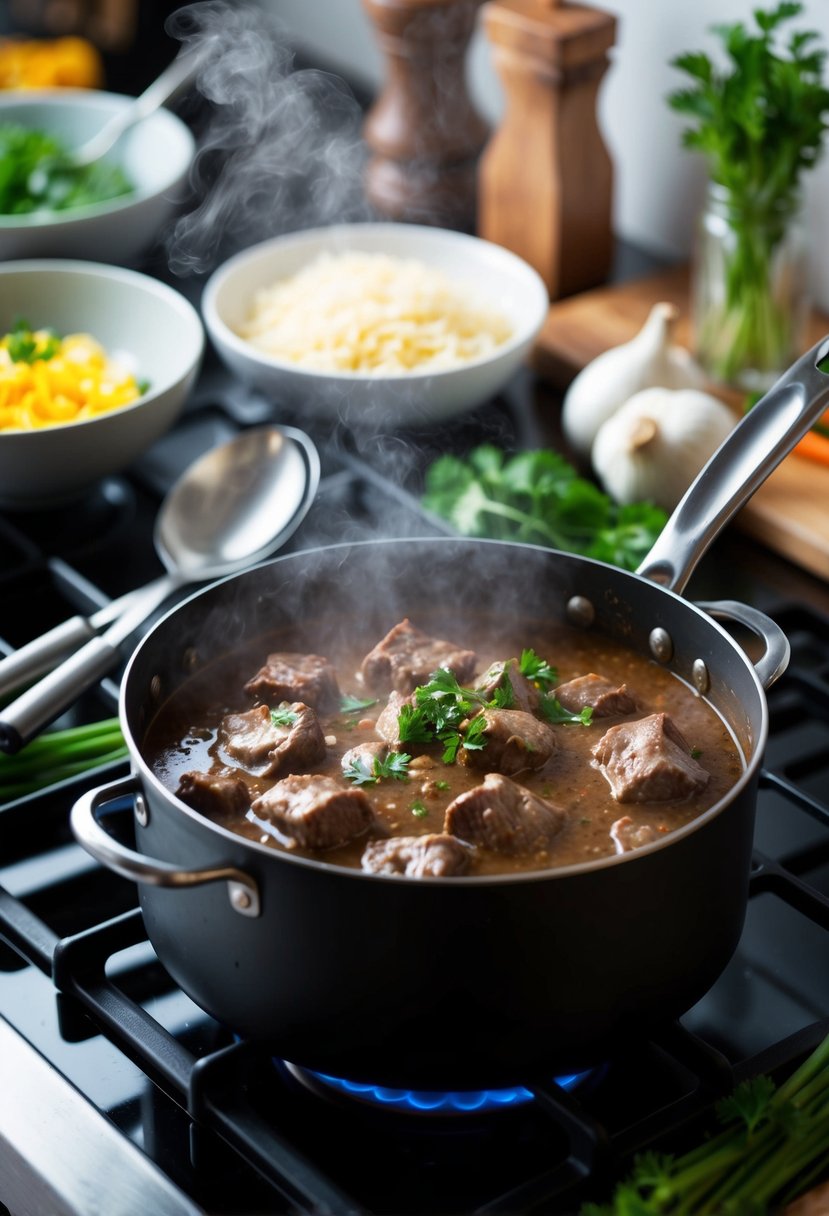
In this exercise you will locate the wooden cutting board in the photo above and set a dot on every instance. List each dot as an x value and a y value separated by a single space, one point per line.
790 511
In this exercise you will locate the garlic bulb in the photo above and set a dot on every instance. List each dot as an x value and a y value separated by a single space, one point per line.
654 445
608 381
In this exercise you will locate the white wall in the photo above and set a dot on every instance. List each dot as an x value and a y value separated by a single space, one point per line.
658 183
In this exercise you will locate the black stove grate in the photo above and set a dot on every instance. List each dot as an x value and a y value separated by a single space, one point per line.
238 1133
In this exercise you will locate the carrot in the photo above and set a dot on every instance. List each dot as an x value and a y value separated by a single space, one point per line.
814 446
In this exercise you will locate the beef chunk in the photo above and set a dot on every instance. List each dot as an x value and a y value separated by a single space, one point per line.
627 836
649 761
605 697
314 812
365 754
417 856
407 657
387 726
523 693
296 677
217 794
505 817
514 740
266 747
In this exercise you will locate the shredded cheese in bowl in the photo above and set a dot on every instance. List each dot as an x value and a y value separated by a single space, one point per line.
374 315
47 381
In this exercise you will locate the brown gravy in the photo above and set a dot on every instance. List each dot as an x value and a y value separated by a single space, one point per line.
183 737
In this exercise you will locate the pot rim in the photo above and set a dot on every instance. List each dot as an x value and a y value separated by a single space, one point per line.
752 764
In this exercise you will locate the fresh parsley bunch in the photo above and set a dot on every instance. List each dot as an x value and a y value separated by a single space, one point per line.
759 121
539 498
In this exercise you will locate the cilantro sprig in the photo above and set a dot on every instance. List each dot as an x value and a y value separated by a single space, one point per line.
538 497
774 1144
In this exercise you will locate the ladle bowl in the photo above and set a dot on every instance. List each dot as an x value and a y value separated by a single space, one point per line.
233 507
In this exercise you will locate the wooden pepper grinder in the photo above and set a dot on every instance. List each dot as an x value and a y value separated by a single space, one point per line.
545 180
423 132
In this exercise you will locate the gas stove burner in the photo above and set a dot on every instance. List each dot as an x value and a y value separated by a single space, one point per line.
428 1102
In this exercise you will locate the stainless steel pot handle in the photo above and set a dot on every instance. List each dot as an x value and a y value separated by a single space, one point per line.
242 890
741 464
775 658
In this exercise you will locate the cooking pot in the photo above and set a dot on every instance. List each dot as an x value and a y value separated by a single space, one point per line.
474 981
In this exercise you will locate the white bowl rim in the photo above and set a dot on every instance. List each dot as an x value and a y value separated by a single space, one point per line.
74 215
215 323
144 282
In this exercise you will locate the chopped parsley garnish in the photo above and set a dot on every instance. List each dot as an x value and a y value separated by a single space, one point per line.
24 346
284 716
419 810
537 670
395 767
441 785
352 705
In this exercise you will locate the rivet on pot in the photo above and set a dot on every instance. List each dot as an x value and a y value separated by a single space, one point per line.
142 814
662 648
244 899
580 611
155 688
700 676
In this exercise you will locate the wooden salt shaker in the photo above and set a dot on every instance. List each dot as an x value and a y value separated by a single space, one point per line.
545 180
423 132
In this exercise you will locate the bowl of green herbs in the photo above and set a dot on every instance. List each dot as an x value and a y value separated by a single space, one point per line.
110 211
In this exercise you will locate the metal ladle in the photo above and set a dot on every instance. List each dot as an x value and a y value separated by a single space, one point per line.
232 508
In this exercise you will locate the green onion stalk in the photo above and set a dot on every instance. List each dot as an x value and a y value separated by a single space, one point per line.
59 754
773 1147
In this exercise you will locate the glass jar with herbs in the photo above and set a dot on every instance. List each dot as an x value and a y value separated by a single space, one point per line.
759 122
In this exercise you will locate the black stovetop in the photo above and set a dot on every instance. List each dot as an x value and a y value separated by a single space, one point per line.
156 1109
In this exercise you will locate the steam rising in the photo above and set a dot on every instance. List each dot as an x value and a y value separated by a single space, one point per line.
281 149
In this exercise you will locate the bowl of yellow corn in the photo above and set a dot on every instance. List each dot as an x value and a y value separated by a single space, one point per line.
96 363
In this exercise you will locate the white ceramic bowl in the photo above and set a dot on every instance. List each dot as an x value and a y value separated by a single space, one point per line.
151 325
496 277
155 155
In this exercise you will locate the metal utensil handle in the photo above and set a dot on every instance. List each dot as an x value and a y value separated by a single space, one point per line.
755 447
243 891
775 658
45 652
43 702
173 80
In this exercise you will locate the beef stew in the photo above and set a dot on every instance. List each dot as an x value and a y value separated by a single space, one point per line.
544 747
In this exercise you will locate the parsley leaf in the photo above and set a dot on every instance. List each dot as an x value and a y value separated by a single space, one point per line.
394 767
537 497
536 669
419 810
352 705
283 716
413 726
554 711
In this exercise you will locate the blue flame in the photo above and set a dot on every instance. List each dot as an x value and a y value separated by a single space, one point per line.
436 1101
